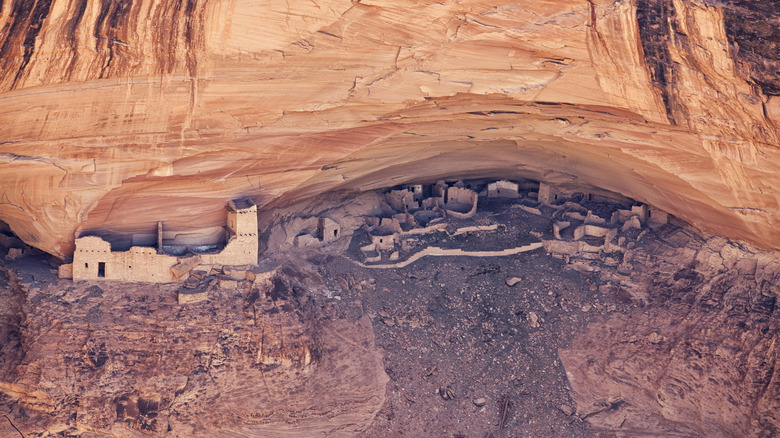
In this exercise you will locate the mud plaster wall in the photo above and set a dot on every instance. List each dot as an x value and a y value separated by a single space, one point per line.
138 264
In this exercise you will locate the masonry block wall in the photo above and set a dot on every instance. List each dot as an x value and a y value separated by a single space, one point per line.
94 260
461 203
243 245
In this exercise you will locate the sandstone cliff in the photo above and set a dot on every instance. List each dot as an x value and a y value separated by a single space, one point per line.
117 114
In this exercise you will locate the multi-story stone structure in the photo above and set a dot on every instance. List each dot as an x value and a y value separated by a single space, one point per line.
94 260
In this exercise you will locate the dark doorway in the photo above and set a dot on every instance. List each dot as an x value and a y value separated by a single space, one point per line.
101 269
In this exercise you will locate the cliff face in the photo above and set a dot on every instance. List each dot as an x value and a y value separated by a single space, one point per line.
131 362
118 114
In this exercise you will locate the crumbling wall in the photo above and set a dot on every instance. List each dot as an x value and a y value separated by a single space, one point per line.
402 200
242 249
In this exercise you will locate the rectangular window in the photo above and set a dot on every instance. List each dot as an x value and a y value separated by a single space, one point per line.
101 269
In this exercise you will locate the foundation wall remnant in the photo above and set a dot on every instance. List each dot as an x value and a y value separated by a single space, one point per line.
620 216
305 240
558 227
594 231
94 260
593 219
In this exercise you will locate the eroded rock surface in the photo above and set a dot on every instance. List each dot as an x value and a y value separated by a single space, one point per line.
128 360
120 114
698 358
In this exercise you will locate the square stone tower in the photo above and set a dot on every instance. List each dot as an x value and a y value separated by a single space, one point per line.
243 245
242 217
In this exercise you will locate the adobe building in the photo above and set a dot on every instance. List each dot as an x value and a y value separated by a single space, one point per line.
94 260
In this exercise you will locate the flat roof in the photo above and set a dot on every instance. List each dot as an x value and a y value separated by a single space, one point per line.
241 203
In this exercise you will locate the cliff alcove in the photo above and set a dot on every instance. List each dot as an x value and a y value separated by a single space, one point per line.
119 114
638 325
116 115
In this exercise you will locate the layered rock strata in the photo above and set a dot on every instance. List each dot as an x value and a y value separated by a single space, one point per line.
120 114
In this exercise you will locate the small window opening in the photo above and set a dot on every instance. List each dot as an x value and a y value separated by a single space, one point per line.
335 233
101 269
86 265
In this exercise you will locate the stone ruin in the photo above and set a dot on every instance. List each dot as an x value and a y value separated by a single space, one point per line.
503 189
416 209
93 258
578 233
582 238
317 230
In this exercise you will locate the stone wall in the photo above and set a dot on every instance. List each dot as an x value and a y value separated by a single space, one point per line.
94 260
243 245
461 203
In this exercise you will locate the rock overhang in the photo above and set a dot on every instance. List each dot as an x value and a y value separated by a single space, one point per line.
114 150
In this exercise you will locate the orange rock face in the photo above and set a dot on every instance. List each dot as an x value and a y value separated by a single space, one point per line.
118 114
